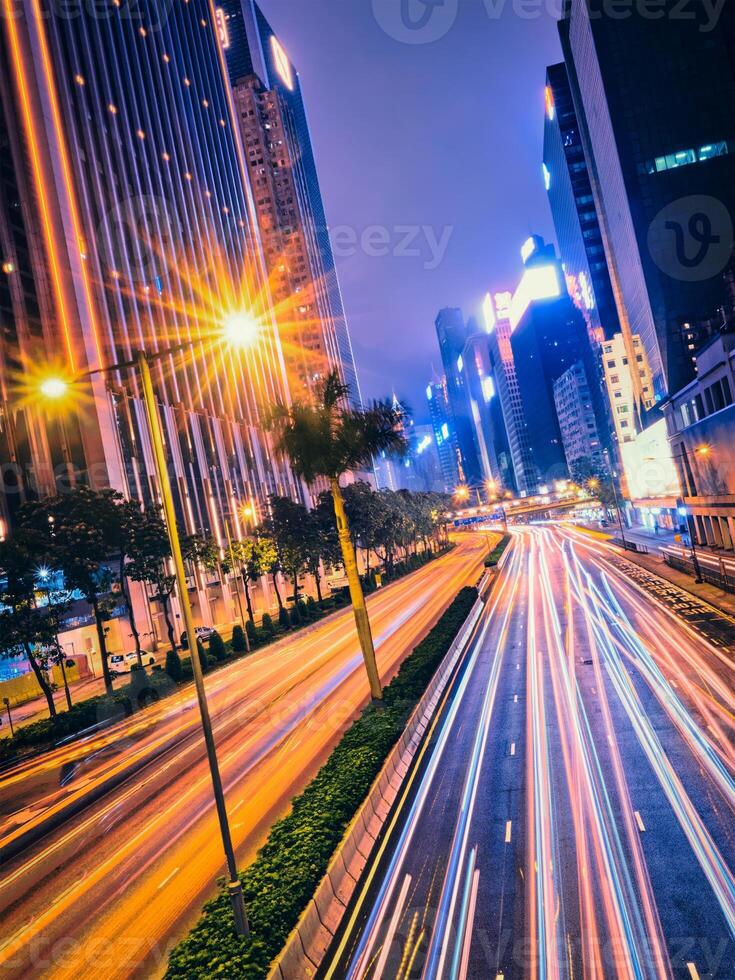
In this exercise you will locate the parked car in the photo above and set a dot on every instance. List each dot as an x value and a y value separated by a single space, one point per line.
132 659
118 664
203 633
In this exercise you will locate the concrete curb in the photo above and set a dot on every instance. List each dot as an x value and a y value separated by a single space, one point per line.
315 930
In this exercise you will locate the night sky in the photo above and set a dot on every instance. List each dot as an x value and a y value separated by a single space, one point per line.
447 135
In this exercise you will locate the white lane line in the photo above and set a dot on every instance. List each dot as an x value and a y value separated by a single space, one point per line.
508 826
639 821
693 971
388 941
515 699
512 748
168 878
469 927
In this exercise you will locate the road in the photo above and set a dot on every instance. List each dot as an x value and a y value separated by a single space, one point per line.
572 813
122 876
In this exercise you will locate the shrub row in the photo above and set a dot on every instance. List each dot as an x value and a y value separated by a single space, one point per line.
288 868
142 691
495 555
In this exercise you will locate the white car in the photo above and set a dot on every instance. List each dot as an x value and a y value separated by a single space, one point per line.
203 633
118 664
132 659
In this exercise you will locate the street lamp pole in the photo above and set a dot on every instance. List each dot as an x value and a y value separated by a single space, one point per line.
234 885
615 497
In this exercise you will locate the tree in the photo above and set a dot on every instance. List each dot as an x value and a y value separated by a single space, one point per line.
324 440
254 557
288 528
84 533
24 625
147 556
596 480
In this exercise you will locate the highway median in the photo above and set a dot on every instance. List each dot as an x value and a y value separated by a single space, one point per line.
280 883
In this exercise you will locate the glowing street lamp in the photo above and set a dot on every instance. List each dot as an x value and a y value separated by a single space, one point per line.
238 330
462 493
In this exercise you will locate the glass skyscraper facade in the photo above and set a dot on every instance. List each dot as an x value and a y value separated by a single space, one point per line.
123 165
253 52
573 210
654 97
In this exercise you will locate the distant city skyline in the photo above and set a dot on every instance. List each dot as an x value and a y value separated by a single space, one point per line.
476 93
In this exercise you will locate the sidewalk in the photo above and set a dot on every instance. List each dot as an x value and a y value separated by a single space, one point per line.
654 562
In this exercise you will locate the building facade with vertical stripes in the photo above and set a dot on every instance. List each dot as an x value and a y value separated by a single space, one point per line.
127 222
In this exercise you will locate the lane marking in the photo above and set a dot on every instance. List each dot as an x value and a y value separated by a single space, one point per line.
693 972
237 806
168 878
515 699
512 748
507 831
639 821
396 918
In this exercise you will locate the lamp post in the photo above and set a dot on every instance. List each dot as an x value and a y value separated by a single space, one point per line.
238 330
606 453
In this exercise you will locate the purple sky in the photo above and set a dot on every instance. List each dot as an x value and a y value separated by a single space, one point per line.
446 135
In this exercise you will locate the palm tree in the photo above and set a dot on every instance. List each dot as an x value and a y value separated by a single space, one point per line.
325 440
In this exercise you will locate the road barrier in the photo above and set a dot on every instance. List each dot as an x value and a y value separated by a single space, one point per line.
313 935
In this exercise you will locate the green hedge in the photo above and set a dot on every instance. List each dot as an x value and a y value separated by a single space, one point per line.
292 862
495 555
127 699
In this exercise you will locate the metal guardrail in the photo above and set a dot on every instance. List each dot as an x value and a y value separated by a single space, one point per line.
720 578
640 549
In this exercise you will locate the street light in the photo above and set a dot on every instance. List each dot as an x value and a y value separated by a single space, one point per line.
606 454
684 512
238 330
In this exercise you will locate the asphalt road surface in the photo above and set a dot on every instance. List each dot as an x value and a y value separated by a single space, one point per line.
573 811
135 848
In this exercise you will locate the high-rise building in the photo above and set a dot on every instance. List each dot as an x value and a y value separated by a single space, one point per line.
549 335
619 372
654 99
452 334
126 224
287 198
496 311
445 437
486 413
576 414
572 204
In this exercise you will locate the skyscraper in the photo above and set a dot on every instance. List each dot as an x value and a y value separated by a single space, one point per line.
573 210
654 99
126 224
287 198
576 414
452 334
486 413
548 336
496 311
445 438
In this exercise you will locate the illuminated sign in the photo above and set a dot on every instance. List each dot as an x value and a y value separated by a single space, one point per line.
649 465
423 445
488 389
445 430
585 286
502 304
549 100
488 312
460 364
283 65
223 33
547 176
429 393
538 282
528 248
